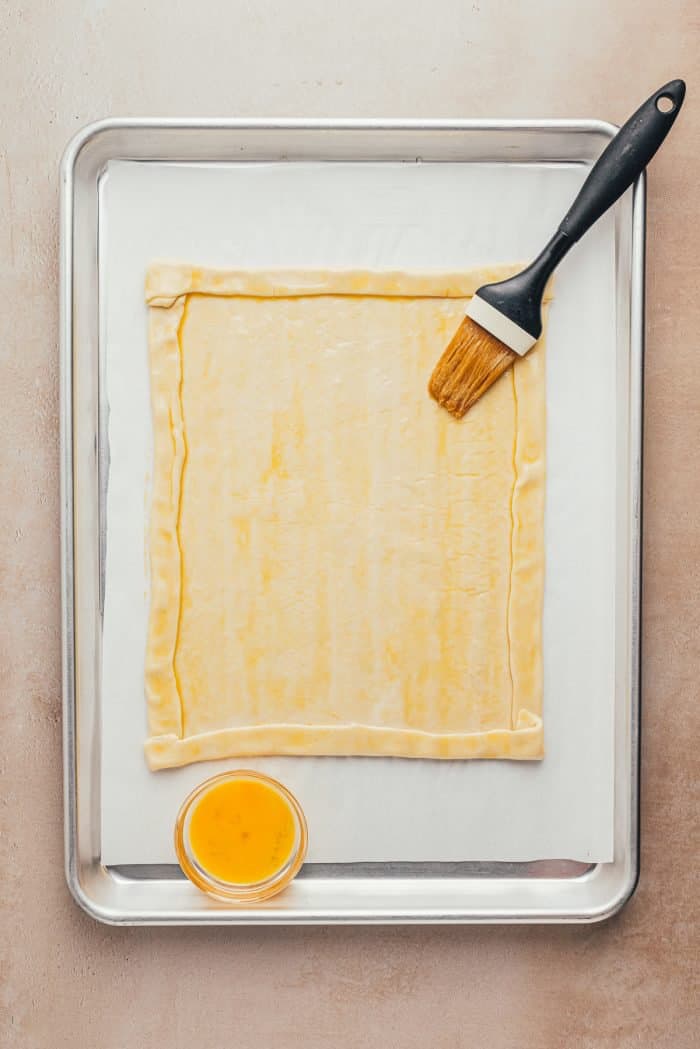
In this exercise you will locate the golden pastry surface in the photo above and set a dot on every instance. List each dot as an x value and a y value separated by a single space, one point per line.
337 565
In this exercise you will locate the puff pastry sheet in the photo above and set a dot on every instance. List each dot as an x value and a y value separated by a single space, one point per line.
336 565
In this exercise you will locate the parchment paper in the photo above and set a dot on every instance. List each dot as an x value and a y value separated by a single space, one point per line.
378 216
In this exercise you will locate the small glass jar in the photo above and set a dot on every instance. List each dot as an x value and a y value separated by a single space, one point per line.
246 826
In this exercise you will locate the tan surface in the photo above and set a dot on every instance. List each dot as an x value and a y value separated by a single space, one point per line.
67 983
274 517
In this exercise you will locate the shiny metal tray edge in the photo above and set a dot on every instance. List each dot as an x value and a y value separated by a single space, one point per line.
541 892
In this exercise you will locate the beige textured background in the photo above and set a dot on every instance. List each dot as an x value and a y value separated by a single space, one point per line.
67 982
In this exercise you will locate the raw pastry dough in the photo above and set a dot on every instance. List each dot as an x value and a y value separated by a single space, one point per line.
337 565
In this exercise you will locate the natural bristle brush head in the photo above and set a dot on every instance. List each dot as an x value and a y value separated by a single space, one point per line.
471 363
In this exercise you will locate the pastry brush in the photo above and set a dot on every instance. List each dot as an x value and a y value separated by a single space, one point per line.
504 320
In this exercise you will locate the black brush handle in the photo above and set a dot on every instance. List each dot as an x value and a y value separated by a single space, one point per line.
624 159
620 163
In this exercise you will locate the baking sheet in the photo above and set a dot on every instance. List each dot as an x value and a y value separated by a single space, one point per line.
378 216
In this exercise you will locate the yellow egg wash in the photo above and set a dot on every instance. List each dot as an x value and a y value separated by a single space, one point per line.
242 831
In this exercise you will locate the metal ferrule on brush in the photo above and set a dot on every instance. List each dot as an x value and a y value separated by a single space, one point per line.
500 326
511 310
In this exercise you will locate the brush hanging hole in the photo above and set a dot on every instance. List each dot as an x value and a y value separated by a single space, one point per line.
665 104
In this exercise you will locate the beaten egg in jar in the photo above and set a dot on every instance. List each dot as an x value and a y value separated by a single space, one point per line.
241 836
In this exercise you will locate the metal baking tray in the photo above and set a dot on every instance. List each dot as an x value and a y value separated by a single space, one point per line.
473 892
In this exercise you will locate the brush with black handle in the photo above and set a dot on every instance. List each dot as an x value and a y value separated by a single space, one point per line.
504 320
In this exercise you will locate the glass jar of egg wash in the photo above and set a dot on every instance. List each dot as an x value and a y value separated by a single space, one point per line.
241 836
